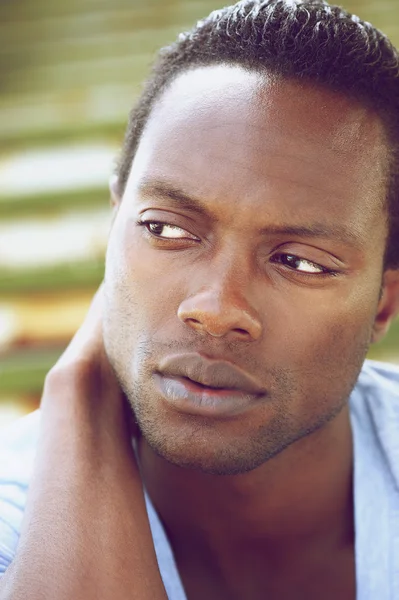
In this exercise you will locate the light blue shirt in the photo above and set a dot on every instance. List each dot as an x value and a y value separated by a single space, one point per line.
374 411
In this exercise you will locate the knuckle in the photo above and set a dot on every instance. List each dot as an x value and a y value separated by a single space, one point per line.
76 374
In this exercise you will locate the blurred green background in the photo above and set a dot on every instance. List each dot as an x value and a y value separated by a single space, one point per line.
70 72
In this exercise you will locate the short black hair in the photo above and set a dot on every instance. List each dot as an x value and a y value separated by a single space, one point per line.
306 40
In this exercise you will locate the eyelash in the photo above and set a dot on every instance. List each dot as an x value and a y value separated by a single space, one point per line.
326 272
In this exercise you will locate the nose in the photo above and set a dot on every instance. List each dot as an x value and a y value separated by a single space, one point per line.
220 309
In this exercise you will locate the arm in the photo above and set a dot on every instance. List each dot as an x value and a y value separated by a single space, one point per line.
85 533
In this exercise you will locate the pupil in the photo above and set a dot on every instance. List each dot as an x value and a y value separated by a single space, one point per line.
156 228
292 261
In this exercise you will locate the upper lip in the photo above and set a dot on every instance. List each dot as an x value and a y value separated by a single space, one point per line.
209 372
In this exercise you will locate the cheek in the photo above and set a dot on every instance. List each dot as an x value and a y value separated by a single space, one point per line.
319 351
142 283
329 327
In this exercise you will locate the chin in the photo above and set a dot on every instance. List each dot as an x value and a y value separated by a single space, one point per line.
219 446
210 463
207 448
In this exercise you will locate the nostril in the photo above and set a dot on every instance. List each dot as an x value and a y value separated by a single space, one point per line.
191 321
242 332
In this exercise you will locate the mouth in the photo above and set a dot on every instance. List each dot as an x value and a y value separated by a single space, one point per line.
198 387
212 388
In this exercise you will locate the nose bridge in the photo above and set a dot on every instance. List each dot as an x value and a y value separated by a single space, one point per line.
229 276
220 302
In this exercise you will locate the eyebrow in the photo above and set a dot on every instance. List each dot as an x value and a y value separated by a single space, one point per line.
164 191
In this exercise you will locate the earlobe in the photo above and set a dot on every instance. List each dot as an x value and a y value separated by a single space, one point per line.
388 307
114 192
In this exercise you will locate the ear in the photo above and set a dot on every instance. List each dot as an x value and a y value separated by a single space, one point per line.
115 198
388 306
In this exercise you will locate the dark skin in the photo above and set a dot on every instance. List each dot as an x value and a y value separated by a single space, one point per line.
257 501
266 247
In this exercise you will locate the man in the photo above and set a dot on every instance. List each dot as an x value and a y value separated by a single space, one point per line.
254 256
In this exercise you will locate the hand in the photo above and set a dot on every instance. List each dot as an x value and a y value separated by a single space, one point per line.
84 368
85 532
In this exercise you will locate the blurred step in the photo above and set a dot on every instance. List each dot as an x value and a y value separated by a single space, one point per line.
55 170
81 275
24 373
41 319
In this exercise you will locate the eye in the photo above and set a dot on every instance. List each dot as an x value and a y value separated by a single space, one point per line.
166 231
302 265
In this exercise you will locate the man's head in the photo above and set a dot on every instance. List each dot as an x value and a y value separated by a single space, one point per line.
306 40
254 241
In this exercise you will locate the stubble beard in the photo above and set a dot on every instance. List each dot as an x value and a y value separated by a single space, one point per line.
199 444
193 442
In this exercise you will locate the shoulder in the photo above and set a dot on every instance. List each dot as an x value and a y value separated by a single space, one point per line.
17 452
377 391
18 447
374 406
382 379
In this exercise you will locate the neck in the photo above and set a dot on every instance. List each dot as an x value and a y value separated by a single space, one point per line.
304 493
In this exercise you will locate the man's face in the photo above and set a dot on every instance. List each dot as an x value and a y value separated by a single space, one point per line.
246 254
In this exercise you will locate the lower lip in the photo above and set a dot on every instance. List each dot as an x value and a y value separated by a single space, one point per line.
189 397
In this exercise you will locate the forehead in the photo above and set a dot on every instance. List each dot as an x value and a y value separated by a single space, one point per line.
226 133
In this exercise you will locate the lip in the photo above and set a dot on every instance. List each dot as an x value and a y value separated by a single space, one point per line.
209 372
215 388
185 396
